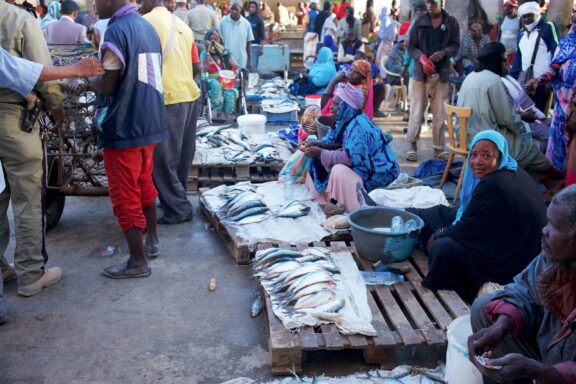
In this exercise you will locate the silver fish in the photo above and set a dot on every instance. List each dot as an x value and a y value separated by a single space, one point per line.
277 269
293 209
249 212
289 276
243 204
308 291
331 307
257 306
243 197
262 146
279 253
315 300
238 140
310 279
235 157
265 252
254 219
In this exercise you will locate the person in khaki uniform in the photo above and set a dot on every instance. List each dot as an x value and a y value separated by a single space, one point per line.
21 156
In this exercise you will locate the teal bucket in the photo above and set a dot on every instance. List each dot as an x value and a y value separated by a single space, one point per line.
379 246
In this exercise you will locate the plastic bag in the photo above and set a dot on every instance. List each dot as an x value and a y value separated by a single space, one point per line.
295 168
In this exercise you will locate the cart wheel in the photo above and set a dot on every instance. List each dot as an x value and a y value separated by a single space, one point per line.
54 205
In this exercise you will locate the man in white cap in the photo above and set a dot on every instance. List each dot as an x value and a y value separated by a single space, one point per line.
536 45
181 9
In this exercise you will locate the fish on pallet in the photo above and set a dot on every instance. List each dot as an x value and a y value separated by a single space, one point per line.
315 300
254 219
250 212
236 157
293 210
236 210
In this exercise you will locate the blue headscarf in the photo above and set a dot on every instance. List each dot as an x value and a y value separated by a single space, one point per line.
323 70
367 148
329 43
470 180
52 15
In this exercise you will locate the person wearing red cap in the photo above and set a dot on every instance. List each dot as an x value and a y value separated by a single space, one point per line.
508 28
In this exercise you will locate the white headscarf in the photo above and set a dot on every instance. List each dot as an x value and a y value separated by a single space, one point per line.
527 8
384 19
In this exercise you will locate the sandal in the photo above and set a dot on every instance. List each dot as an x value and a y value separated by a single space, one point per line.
411 156
442 155
122 271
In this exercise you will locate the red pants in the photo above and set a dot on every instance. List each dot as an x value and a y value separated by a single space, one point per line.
130 184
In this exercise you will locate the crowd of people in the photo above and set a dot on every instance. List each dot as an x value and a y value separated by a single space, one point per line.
155 53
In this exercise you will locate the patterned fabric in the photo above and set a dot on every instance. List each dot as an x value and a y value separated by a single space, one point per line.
470 48
351 95
367 148
563 83
365 69
470 180
308 122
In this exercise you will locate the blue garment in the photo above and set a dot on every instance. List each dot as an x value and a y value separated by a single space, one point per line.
367 147
311 16
236 34
329 43
470 180
323 70
135 115
20 75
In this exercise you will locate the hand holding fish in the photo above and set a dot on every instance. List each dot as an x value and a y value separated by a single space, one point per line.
515 366
486 340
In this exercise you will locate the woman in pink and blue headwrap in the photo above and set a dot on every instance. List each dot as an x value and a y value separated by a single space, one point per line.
354 152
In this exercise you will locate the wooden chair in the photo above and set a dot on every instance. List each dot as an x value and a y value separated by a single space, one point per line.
401 91
460 148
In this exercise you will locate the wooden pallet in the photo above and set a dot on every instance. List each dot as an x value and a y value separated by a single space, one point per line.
409 319
243 251
213 175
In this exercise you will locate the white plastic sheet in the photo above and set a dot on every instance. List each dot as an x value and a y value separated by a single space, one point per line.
305 229
355 317
415 197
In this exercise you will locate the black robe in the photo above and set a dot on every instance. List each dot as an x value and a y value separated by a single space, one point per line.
497 236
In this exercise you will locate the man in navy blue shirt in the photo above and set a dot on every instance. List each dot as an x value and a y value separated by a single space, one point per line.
258 31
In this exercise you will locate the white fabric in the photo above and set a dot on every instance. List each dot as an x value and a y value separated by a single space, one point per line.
415 197
305 229
509 33
355 317
2 183
330 27
543 57
529 7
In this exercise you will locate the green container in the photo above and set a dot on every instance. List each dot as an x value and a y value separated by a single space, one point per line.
376 245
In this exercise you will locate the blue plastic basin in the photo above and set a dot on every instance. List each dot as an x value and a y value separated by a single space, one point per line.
375 245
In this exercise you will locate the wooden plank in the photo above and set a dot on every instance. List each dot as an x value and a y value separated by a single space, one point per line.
285 349
228 175
242 173
431 334
453 302
332 337
385 336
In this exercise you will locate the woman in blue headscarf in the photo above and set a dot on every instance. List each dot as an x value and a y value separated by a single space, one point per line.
495 233
317 77
354 152
53 14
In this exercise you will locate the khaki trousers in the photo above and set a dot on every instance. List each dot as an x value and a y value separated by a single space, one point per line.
438 93
21 156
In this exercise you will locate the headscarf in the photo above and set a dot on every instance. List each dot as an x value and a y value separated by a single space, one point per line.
308 121
350 95
217 49
490 58
367 147
511 4
384 19
530 7
323 70
52 15
329 43
365 69
470 180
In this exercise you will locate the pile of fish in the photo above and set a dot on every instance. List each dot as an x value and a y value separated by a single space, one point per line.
266 153
300 283
274 89
293 210
244 206
231 139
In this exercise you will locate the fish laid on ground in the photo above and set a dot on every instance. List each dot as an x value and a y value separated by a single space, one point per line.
257 306
293 209
250 212
315 300
254 219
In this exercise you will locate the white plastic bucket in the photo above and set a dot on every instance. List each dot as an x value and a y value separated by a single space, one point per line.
253 124
313 100
458 368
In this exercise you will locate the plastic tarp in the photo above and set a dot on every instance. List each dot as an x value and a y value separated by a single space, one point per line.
355 316
305 229
415 197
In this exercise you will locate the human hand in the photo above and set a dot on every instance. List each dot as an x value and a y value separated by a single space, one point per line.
510 367
529 116
487 339
340 77
260 51
531 86
312 151
208 45
88 68
427 65
437 56
57 117
312 143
